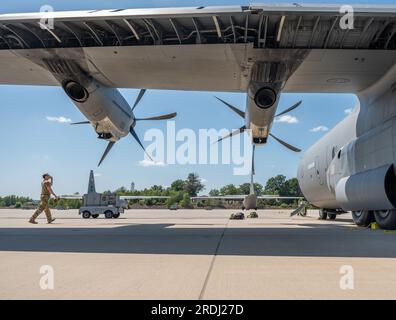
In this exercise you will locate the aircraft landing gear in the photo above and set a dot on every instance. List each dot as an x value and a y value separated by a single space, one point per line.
322 214
362 218
327 214
386 219
331 216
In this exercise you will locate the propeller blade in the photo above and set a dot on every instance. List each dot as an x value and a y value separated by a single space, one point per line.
163 117
108 148
236 110
133 133
81 122
139 97
233 133
289 146
294 106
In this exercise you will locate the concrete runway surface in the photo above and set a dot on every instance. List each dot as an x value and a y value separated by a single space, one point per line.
194 254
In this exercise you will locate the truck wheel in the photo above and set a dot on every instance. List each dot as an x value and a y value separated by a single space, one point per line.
108 214
386 219
86 214
116 215
332 216
362 218
322 214
95 216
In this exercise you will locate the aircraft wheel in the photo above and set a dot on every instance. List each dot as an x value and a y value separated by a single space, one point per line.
362 218
332 216
322 214
95 216
86 214
386 219
108 214
116 215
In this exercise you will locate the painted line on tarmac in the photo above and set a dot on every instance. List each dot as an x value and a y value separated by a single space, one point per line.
203 290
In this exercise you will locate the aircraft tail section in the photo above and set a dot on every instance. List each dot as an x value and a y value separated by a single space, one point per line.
91 184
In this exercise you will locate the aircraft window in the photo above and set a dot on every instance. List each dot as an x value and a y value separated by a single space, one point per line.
333 152
339 154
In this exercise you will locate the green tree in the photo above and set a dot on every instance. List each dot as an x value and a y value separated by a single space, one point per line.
292 188
228 190
193 185
121 190
12 200
276 185
178 185
175 198
245 188
214 193
186 201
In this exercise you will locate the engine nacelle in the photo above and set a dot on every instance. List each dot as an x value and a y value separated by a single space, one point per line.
103 106
368 190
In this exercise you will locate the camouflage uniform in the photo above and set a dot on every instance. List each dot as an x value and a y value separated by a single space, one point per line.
44 199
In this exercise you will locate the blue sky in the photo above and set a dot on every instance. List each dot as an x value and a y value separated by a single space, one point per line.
31 144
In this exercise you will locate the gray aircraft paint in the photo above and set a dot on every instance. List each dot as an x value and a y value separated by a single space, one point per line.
351 167
105 108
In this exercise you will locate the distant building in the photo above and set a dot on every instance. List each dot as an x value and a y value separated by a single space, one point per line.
133 186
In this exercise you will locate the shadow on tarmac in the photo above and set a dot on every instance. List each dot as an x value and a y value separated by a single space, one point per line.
310 240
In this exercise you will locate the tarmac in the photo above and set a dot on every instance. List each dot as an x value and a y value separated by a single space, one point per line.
194 254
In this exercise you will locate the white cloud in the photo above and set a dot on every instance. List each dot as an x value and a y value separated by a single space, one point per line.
149 163
59 119
319 129
203 180
287 119
348 111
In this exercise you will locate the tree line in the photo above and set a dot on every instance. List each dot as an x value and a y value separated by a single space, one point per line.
14 201
181 191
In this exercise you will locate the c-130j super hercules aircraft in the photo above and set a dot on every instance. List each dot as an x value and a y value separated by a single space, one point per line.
262 50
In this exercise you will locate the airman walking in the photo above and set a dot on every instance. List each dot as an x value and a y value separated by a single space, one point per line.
46 192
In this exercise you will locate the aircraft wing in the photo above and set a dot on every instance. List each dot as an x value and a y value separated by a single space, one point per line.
243 196
230 197
201 48
269 197
143 197
79 197
73 197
